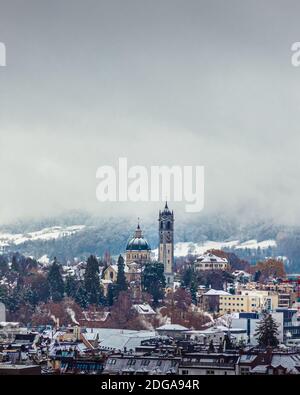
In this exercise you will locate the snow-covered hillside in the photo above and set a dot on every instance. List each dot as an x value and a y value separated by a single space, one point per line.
183 249
55 232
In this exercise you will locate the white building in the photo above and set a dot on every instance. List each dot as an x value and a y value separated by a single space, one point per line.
250 325
211 262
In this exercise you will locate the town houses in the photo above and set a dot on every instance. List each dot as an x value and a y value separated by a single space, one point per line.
145 312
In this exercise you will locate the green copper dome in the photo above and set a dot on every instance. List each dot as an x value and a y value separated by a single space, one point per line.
138 242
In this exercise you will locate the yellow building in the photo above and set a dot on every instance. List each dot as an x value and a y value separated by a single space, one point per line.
267 300
248 301
237 304
132 272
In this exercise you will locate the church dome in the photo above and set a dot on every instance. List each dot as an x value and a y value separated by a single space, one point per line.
138 242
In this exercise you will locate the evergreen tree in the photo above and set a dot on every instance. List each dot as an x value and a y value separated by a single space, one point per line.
3 294
153 281
40 288
56 283
92 282
81 296
121 279
14 300
194 289
71 286
15 264
257 275
31 297
188 277
112 294
3 265
267 331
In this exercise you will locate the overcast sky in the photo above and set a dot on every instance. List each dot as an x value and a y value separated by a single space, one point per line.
160 82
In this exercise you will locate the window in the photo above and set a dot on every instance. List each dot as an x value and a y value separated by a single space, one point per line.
145 362
185 372
210 372
244 371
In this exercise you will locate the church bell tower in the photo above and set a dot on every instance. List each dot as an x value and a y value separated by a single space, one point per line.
166 243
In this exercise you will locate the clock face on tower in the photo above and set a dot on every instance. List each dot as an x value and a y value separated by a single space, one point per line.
168 238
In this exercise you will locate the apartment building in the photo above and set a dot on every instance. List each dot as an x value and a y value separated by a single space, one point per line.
248 301
238 303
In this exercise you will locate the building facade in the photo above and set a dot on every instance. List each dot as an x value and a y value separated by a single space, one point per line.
211 262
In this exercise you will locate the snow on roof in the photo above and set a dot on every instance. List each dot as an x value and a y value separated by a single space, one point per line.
211 258
90 336
287 361
240 273
143 308
117 339
248 358
216 292
211 330
259 369
172 327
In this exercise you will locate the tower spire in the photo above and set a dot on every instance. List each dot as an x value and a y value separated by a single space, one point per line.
138 232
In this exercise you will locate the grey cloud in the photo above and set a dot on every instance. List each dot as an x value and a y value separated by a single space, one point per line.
188 82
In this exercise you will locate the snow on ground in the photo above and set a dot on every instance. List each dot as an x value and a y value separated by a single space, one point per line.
44 260
54 232
254 244
186 248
